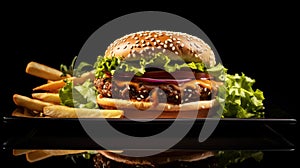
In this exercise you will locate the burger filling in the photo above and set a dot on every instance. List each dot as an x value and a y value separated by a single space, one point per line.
122 80
138 90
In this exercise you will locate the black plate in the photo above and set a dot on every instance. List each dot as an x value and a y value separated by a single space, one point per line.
231 133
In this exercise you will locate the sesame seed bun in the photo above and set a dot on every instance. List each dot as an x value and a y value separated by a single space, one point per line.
184 46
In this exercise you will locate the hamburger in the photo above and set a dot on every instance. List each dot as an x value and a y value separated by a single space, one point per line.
158 71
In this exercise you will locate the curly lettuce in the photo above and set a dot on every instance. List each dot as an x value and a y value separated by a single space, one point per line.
107 66
79 96
239 99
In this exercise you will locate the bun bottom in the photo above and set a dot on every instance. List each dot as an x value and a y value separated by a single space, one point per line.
158 159
161 110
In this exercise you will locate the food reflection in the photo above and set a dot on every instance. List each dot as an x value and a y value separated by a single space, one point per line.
170 158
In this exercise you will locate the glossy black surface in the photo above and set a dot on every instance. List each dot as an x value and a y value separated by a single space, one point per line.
231 133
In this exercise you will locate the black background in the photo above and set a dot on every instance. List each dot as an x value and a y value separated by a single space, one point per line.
260 40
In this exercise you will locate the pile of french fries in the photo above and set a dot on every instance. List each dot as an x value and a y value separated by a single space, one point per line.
44 102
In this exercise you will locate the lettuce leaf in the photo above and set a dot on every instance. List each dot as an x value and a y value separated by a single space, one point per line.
241 100
230 158
79 96
107 66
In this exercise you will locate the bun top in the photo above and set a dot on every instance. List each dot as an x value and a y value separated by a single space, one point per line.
181 45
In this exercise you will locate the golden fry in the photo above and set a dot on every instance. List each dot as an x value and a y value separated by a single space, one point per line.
17 152
47 97
60 111
29 103
51 86
37 155
43 71
88 75
40 154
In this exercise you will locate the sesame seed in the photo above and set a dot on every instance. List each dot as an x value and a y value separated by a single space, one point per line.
173 48
138 98
176 52
143 41
136 38
164 50
137 41
165 46
142 96
125 47
152 39
182 45
158 41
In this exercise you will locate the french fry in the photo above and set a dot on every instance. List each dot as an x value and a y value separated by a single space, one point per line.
60 111
55 85
18 152
37 155
29 103
43 71
85 76
47 97
23 112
